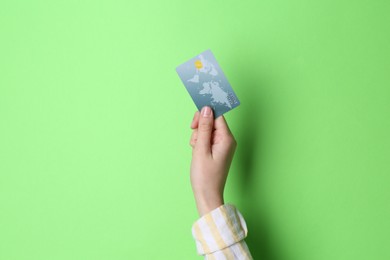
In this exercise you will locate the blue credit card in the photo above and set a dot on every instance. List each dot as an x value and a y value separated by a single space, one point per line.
206 83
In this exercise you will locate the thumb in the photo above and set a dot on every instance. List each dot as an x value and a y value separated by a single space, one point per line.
205 130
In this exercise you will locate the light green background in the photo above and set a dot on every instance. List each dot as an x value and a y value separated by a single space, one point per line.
94 127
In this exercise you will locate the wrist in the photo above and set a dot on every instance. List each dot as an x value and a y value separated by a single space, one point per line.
205 204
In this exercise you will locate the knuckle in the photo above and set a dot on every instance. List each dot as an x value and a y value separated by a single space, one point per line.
231 141
234 141
193 141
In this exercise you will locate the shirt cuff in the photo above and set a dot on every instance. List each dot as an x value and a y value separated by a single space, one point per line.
219 229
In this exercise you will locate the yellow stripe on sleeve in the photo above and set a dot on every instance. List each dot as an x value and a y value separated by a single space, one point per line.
215 232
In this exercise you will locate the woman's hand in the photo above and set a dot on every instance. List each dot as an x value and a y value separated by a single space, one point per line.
213 147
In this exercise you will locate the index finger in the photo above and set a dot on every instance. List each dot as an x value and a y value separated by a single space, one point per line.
195 120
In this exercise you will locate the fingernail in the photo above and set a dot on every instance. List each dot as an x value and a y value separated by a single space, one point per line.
206 111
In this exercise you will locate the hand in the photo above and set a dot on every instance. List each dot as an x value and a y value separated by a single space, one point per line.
213 147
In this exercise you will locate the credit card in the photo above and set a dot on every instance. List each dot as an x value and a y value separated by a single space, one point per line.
207 84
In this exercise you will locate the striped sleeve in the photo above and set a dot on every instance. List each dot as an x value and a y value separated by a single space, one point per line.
220 234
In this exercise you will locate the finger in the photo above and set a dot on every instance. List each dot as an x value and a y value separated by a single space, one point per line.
195 120
221 125
194 137
205 129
